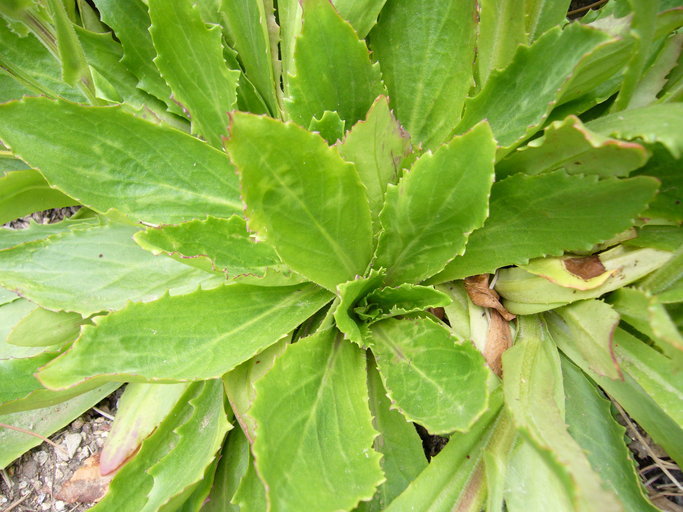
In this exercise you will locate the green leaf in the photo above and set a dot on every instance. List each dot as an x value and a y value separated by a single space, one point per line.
667 276
130 21
45 422
289 16
10 238
655 76
429 215
190 58
517 100
439 487
591 423
149 172
251 492
663 238
302 198
314 439
175 457
94 269
246 25
43 328
332 69
330 127
587 327
74 64
429 377
526 293
26 191
403 457
362 14
654 123
376 146
404 299
663 166
529 218
534 396
426 50
351 293
11 314
569 145
31 64
212 244
232 467
141 408
233 323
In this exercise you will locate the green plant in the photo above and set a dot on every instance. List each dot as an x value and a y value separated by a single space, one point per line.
289 223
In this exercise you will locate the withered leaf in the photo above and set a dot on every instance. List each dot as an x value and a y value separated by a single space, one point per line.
86 485
498 340
480 294
586 268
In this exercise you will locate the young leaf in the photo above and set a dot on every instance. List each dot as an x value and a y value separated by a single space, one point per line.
535 398
516 100
231 470
332 69
10 238
569 145
175 457
149 172
250 495
212 244
431 378
44 328
591 423
74 64
26 191
302 198
529 217
330 127
403 457
45 421
389 302
376 146
362 14
190 58
313 444
426 50
351 293
289 14
94 269
141 408
654 123
232 322
429 215
587 327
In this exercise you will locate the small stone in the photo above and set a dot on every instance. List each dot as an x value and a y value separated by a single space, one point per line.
59 505
30 469
23 484
45 506
40 457
77 424
58 474
72 442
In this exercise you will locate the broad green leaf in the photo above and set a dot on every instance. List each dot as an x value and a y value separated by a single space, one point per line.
232 467
246 25
130 21
74 64
431 378
314 438
43 328
496 461
667 204
426 50
667 276
404 299
654 78
94 269
591 424
376 146
190 58
11 314
7 296
10 238
632 305
517 100
428 216
587 327
569 145
332 69
542 15
351 293
175 457
534 396
457 311
330 127
653 371
17 375
302 198
654 123
362 14
526 293
250 495
194 502
26 191
588 274
32 65
239 383
232 323
212 244
289 16
439 487
403 457
149 172
45 422
664 238
529 218
141 408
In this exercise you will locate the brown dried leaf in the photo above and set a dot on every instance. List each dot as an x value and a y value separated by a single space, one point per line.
86 485
498 340
480 294
585 268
